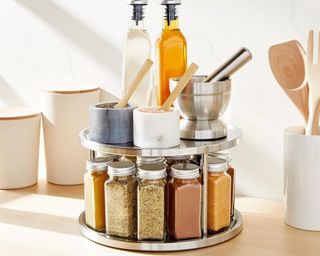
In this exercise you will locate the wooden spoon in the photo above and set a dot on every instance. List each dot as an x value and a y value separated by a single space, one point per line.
135 83
180 86
288 65
313 70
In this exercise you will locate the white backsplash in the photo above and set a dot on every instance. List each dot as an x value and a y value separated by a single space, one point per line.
79 42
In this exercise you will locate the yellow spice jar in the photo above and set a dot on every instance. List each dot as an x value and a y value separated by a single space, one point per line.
94 180
219 195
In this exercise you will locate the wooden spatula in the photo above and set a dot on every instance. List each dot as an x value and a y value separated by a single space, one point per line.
180 86
288 65
313 70
135 83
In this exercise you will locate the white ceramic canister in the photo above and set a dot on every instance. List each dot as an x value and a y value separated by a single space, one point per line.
19 147
156 129
302 179
65 113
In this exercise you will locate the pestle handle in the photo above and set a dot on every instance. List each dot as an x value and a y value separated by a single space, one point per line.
232 65
135 84
180 86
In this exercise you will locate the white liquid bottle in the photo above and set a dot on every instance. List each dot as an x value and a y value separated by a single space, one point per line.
137 48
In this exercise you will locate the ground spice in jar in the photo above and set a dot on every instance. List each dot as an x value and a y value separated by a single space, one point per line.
184 204
94 180
151 202
219 190
231 171
121 200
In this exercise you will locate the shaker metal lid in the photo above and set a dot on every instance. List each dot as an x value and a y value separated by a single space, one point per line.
152 171
132 2
147 160
122 168
98 164
185 171
163 2
224 155
217 165
178 157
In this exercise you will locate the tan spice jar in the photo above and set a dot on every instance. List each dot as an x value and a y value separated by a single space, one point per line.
151 202
94 179
184 205
231 171
121 200
219 190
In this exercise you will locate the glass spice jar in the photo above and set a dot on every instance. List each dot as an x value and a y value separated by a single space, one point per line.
219 190
151 202
121 200
172 160
132 159
195 159
115 158
231 171
150 160
184 205
94 179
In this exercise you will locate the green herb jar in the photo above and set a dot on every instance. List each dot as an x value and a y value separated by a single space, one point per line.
151 202
121 200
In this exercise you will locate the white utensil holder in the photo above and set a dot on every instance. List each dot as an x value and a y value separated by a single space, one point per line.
65 113
302 179
19 147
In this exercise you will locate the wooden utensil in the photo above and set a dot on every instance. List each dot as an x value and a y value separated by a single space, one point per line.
135 83
180 86
288 65
313 71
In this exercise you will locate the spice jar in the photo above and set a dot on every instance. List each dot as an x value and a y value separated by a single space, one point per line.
121 200
115 158
94 180
150 160
184 202
219 190
132 159
231 172
151 202
172 160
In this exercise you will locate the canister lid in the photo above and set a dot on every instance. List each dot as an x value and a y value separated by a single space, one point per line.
163 2
224 155
17 113
217 165
149 160
185 171
122 168
99 164
152 171
132 2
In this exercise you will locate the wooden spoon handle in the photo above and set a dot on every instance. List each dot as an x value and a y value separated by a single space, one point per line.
135 83
180 86
313 121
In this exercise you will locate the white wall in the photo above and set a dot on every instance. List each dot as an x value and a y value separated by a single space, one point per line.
72 42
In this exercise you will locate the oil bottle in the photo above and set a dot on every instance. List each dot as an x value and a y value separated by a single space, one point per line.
171 50
136 49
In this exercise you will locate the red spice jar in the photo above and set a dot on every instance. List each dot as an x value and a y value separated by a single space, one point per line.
184 205
231 171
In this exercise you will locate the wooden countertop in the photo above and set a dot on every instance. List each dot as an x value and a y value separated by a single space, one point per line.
42 220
